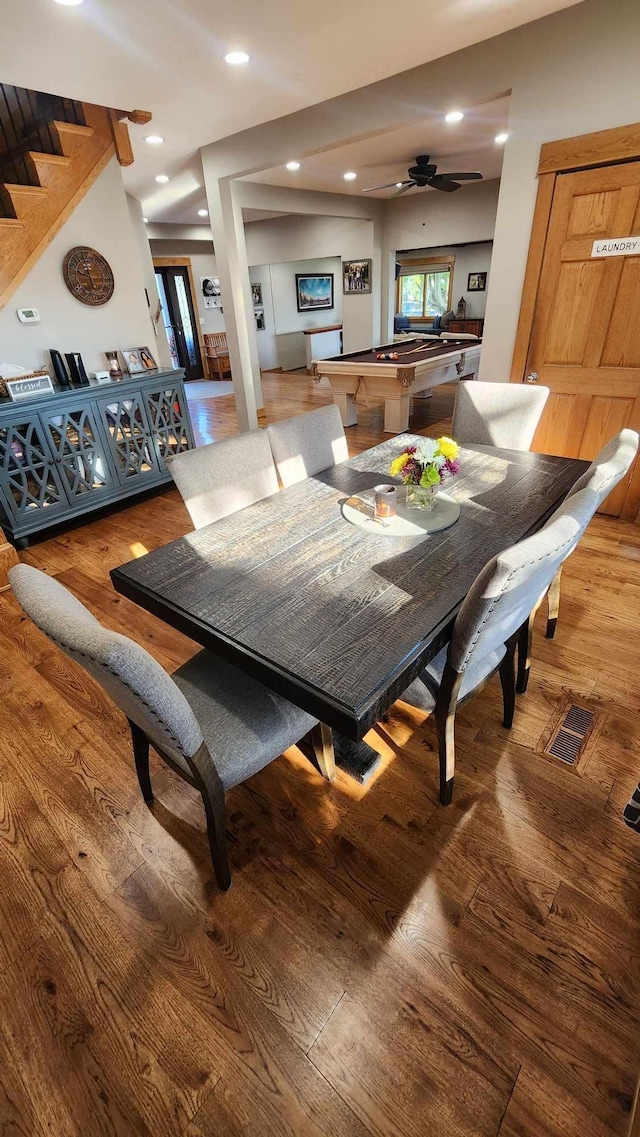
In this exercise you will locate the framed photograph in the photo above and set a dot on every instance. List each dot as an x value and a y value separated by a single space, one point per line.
131 360
476 282
314 292
356 277
147 360
260 324
256 293
211 294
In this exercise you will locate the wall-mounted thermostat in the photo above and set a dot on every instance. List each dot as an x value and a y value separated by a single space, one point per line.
28 315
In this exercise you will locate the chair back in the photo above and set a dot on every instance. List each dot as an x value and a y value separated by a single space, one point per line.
498 414
215 341
136 682
305 445
223 477
509 586
611 465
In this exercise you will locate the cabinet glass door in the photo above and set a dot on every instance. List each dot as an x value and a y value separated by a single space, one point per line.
127 431
169 421
78 452
31 480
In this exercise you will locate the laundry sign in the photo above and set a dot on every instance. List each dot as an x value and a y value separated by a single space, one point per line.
616 247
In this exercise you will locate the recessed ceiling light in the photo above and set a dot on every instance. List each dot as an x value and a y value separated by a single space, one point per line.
69 3
501 138
293 165
235 58
454 116
162 178
154 139
349 176
146 220
398 185
203 213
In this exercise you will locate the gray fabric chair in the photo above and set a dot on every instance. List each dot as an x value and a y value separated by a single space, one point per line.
610 466
497 414
212 724
489 625
305 445
223 477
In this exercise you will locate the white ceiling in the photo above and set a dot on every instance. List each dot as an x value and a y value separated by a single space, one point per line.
166 56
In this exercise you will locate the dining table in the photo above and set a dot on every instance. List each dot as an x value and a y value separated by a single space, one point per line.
337 618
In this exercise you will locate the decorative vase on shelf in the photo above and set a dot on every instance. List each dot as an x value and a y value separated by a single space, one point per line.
421 497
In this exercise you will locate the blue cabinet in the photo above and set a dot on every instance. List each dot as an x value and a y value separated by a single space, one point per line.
72 452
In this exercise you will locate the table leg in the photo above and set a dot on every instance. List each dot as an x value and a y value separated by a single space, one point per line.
396 415
357 759
346 404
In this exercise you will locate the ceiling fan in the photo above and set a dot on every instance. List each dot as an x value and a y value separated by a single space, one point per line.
424 173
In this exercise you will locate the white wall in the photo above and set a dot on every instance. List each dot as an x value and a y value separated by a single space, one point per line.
102 221
468 258
429 219
162 354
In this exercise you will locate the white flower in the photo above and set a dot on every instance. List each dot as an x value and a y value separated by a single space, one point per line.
426 452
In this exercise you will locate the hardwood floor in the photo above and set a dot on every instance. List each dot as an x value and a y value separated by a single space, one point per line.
381 965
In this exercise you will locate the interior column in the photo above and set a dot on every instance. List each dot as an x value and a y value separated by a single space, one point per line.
227 228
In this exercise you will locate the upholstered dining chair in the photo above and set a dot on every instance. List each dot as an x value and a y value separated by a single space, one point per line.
610 466
497 414
489 625
223 477
308 443
212 724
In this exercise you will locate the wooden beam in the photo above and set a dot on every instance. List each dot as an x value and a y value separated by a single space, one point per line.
140 118
121 140
601 148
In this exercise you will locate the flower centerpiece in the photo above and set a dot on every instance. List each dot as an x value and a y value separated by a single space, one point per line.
424 467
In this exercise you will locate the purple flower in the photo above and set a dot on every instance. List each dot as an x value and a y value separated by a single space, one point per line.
453 465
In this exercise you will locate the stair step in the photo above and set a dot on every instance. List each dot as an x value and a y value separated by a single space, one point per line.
19 200
44 166
71 136
11 223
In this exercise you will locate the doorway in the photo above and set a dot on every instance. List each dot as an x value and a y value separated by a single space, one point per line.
174 282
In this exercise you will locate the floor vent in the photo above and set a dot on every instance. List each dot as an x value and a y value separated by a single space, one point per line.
569 738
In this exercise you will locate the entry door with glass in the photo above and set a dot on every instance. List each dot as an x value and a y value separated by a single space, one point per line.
179 319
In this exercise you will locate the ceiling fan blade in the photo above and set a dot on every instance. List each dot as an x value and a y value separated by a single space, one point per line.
442 183
390 185
405 186
470 176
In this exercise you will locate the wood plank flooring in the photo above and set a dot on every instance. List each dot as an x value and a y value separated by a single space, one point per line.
381 965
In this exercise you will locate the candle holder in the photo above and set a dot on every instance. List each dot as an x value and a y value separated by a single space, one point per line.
385 501
114 366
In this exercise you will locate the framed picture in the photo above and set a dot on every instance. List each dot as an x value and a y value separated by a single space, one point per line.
131 360
256 293
356 276
147 360
314 292
260 324
211 294
476 282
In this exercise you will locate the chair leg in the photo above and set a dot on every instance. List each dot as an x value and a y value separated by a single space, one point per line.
445 716
141 758
508 680
207 782
553 602
322 742
524 656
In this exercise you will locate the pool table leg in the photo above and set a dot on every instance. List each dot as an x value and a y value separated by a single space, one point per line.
346 404
396 415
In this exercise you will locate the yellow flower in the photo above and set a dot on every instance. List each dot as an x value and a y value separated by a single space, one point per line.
398 464
448 448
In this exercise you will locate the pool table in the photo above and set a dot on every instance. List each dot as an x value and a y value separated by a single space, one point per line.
421 365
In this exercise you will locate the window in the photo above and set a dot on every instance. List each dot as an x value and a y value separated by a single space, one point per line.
424 292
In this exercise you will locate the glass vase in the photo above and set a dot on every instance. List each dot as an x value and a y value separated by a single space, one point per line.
421 497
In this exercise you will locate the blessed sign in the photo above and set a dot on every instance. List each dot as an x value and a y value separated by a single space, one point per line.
30 387
616 247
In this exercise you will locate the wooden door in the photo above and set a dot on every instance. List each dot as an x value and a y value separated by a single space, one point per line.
585 335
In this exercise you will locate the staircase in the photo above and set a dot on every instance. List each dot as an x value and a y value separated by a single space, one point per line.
51 152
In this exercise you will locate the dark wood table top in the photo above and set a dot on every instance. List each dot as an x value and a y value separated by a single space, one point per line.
338 620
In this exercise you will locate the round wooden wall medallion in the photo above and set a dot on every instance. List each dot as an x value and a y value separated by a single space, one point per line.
88 275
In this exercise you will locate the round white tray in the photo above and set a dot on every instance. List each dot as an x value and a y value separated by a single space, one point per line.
407 522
